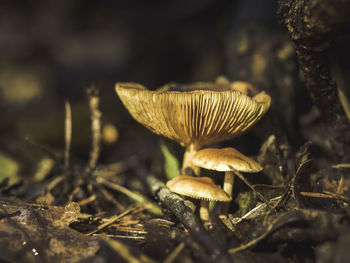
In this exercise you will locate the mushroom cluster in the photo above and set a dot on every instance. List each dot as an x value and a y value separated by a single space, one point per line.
197 115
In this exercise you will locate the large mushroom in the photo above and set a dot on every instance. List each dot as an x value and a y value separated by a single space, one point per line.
194 115
228 160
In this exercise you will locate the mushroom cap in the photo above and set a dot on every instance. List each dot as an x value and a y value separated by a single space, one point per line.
223 160
198 187
198 114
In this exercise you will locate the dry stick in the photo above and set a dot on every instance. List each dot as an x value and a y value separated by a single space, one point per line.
95 127
138 238
67 134
185 215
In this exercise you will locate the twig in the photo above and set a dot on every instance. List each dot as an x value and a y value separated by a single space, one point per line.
114 219
54 182
108 196
317 195
280 186
95 128
67 134
175 204
240 176
137 238
45 149
277 222
113 169
253 242
72 194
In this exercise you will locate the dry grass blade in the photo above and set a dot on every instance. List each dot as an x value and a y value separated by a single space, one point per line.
173 255
67 134
125 253
326 194
138 198
44 148
88 200
344 102
341 165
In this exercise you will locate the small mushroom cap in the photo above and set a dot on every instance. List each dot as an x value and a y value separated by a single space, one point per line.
224 160
197 187
243 87
198 114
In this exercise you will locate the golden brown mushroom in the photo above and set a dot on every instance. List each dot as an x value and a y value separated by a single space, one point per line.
193 115
202 188
227 160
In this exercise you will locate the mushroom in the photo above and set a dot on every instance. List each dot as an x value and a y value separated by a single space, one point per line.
194 115
203 188
227 160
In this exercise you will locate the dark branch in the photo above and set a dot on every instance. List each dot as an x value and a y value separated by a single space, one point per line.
185 215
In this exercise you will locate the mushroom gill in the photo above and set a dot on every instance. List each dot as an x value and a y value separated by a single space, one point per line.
194 115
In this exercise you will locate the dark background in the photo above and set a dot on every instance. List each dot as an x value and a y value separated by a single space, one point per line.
50 51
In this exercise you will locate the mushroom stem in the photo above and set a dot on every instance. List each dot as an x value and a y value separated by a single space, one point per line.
227 187
187 161
204 210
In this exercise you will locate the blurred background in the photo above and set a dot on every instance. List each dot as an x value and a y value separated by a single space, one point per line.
52 50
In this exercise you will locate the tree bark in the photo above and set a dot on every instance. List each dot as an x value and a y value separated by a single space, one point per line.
313 25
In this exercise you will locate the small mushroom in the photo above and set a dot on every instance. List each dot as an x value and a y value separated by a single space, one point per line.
203 188
194 115
227 160
243 87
